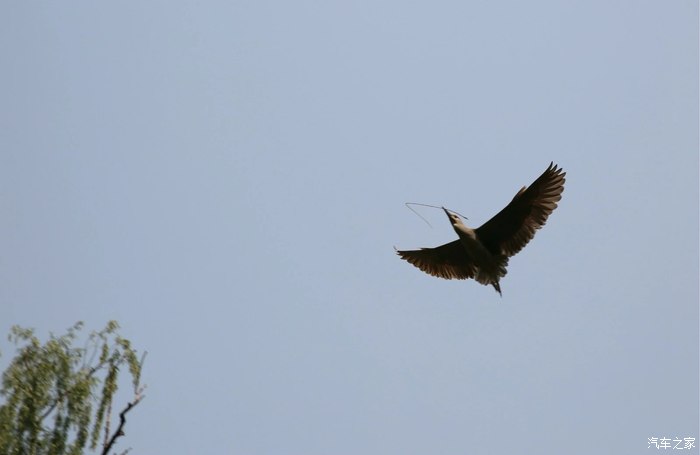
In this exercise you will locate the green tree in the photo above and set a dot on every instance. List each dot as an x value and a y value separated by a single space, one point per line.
58 398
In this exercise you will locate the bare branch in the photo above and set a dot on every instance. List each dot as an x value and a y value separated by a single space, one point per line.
122 421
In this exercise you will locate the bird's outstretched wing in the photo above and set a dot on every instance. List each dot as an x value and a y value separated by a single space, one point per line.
449 261
514 226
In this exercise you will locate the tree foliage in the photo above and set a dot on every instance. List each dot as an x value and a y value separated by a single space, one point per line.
57 398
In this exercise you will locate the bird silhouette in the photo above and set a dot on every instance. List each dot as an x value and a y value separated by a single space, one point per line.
482 253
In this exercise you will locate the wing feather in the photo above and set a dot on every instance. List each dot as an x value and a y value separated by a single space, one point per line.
513 227
449 261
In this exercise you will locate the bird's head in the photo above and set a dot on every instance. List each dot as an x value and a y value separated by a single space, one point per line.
454 218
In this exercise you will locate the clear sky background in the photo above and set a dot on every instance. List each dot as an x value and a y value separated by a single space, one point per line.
227 180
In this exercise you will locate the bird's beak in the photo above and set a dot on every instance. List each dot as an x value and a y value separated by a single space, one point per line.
447 212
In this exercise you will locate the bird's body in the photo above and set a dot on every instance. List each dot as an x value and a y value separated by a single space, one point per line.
490 267
483 253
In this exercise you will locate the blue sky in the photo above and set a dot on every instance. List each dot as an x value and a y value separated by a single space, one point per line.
228 179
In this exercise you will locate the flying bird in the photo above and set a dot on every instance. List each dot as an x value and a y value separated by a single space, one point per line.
482 253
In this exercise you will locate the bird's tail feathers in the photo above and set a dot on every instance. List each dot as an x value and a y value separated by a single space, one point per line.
493 273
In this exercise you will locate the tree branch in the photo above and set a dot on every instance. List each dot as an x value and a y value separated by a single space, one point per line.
108 423
62 395
122 421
